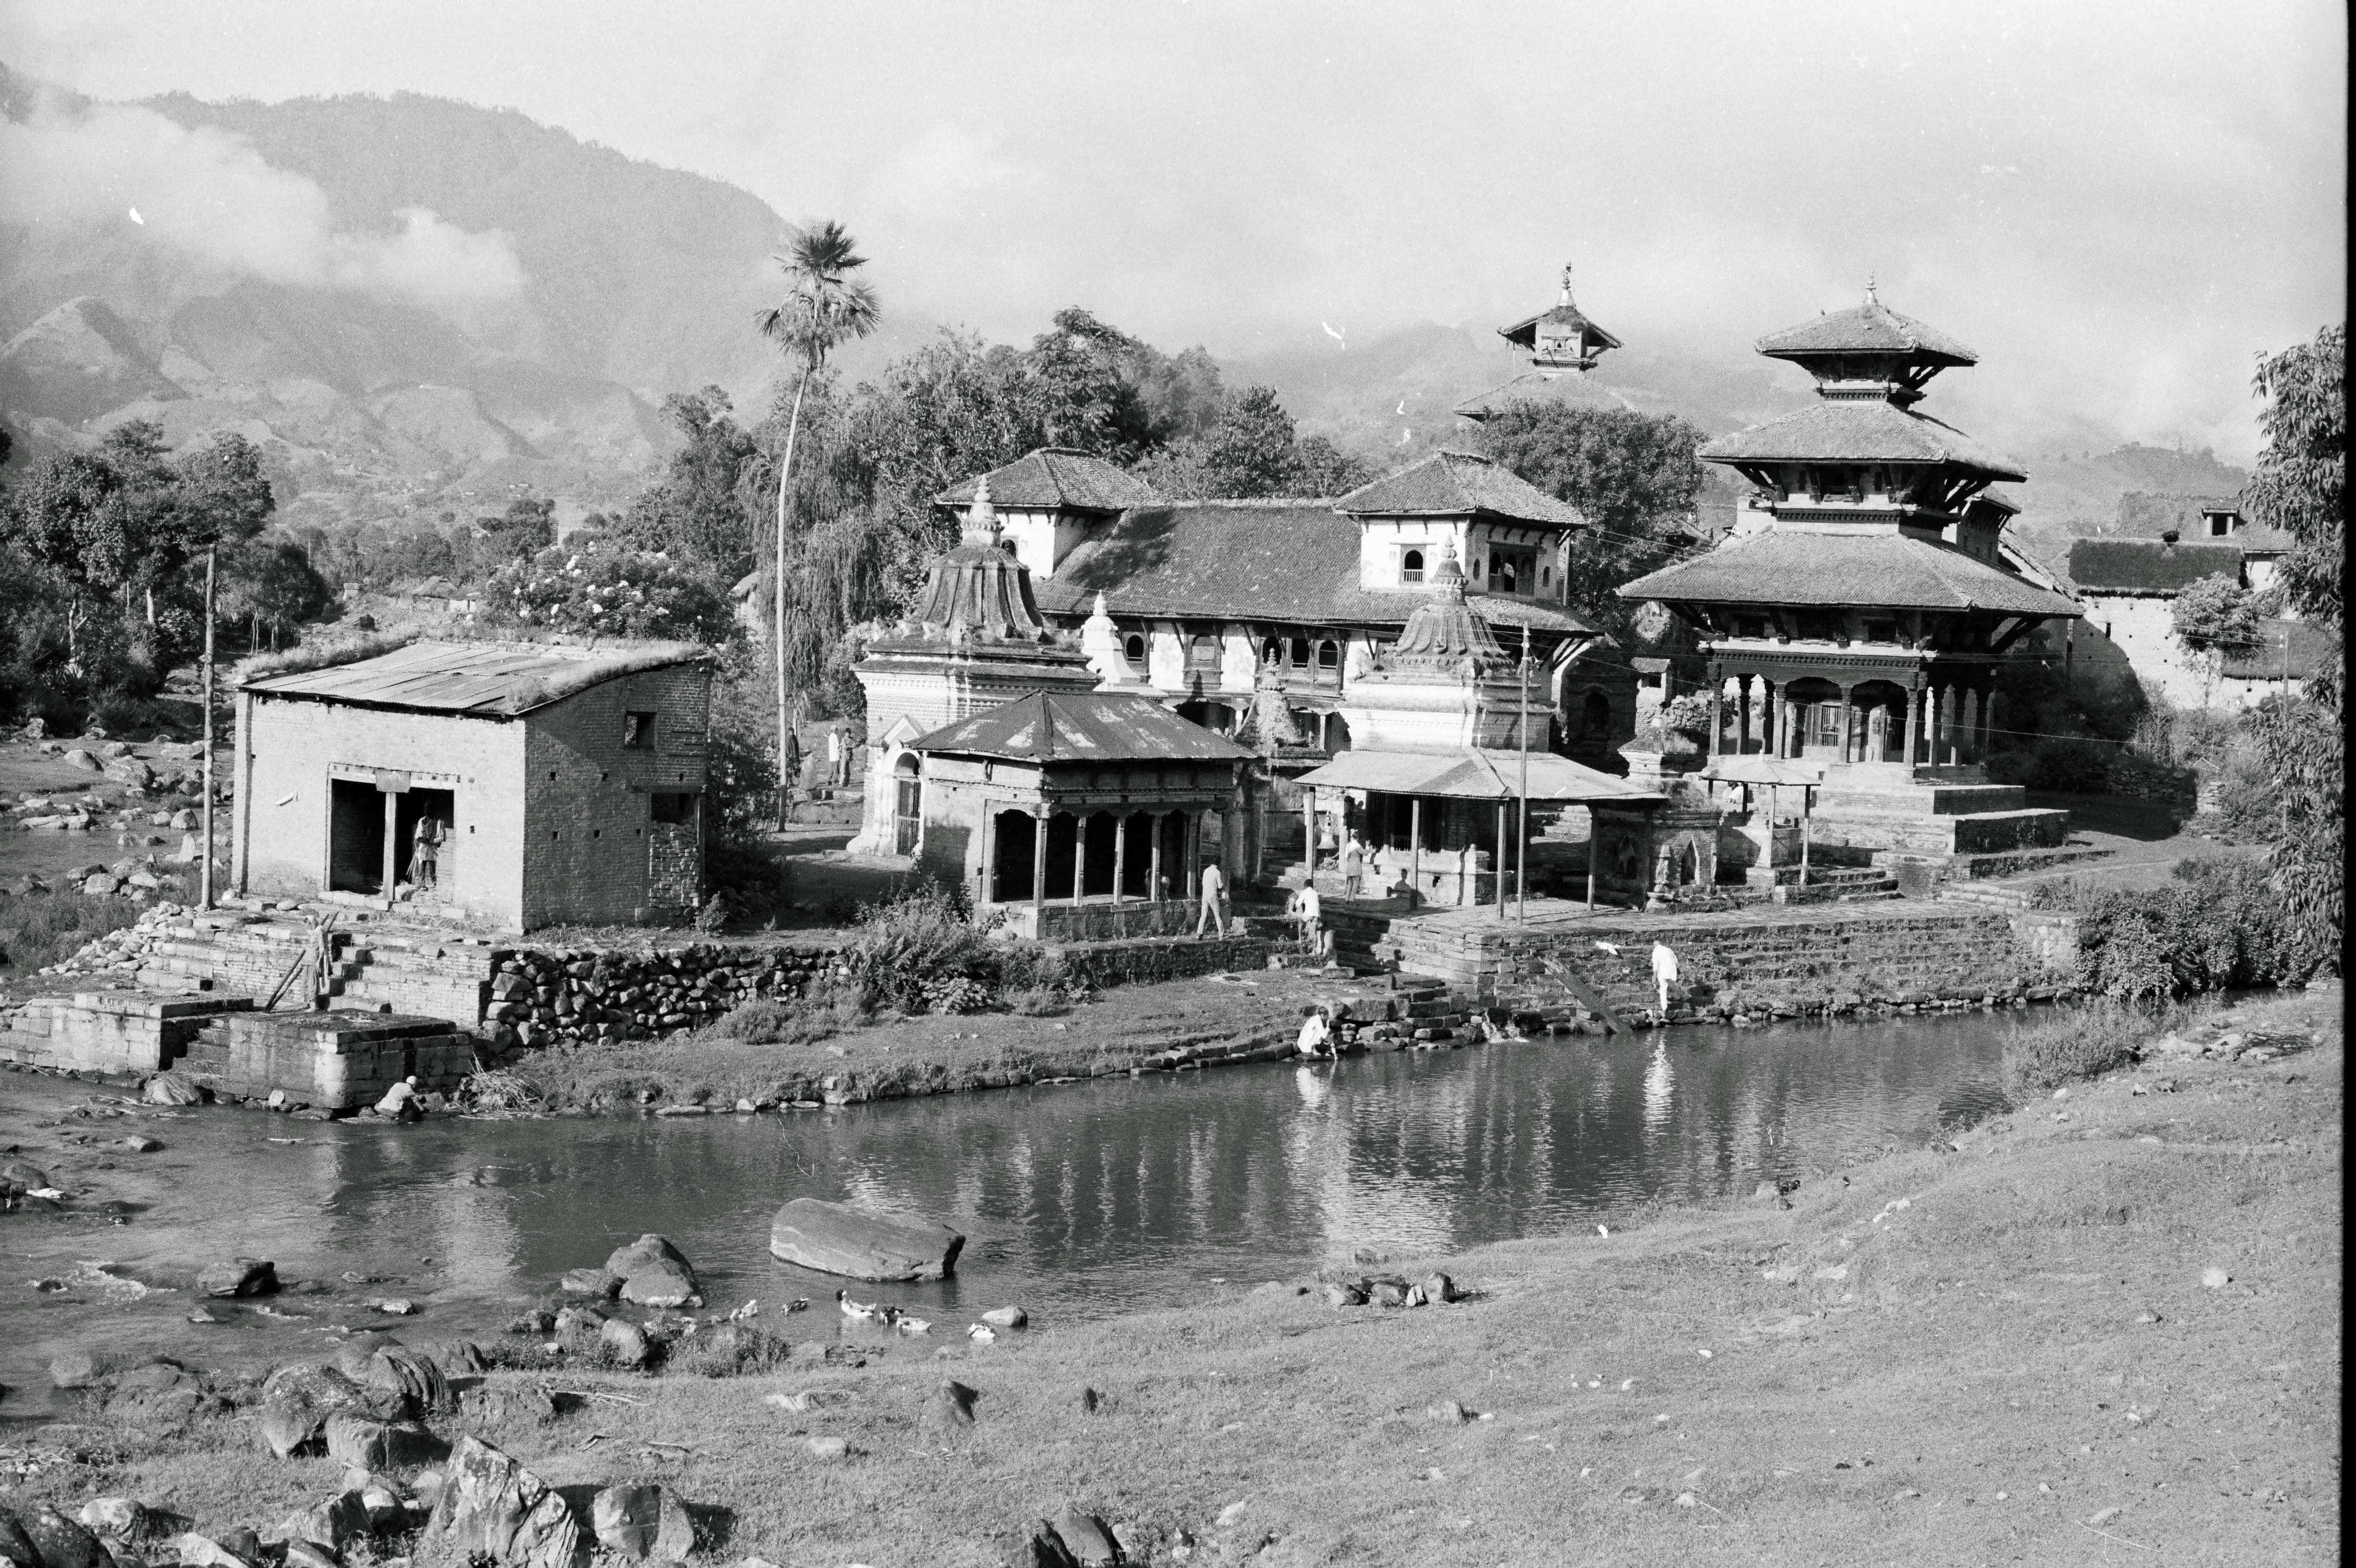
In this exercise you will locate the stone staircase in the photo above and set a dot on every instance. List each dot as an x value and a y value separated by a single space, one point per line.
417 973
1934 811
1852 884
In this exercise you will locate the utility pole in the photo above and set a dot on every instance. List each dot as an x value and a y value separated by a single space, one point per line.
1522 830
205 877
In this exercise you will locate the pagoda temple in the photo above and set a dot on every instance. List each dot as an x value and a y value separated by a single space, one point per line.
1856 618
1563 345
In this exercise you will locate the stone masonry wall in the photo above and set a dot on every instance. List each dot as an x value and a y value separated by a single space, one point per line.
1795 962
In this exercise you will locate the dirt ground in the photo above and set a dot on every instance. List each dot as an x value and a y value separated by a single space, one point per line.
2101 1330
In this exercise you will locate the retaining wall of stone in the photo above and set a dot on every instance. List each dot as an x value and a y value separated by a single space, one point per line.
107 1031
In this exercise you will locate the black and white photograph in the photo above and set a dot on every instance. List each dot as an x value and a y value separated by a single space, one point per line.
1244 783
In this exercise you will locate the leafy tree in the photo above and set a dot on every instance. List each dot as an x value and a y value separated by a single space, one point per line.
699 509
1634 475
1253 449
2300 487
271 586
523 530
1320 468
2215 613
604 591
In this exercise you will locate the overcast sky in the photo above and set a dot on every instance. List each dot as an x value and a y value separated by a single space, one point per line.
2117 205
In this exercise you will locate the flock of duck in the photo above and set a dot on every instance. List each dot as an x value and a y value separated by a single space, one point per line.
885 1314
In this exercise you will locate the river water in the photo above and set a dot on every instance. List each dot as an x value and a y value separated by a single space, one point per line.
1076 1202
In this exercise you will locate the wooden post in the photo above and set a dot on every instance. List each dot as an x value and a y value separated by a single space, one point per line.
1848 723
1522 817
1741 715
1769 733
1038 872
1931 716
1120 854
1500 857
205 878
1913 724
1807 804
1153 857
987 880
1415 843
1717 702
391 841
1079 857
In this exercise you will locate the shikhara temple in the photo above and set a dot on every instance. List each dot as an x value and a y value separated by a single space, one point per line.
1856 620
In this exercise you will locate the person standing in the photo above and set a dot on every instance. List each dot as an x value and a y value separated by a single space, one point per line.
1310 909
1215 901
1354 867
1664 973
789 785
426 854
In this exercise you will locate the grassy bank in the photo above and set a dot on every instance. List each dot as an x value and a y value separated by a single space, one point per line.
2004 1351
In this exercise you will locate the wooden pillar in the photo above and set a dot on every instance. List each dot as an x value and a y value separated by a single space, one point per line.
1786 741
1769 735
1741 715
1913 724
1498 859
1153 857
1807 804
1849 724
1931 716
1079 857
391 841
1415 843
987 880
1038 868
1987 725
1309 827
1716 707
1120 854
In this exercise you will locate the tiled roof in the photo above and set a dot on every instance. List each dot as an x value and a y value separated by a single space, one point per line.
1456 483
1870 328
1057 476
1524 331
1859 432
2284 649
1861 569
2148 566
1082 727
485 679
1571 389
2147 515
1292 562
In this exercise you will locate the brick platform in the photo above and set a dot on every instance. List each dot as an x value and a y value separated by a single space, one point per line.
338 1060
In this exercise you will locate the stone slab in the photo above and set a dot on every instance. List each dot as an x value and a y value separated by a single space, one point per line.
835 1238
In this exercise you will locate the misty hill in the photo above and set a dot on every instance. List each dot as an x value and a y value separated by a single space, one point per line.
602 283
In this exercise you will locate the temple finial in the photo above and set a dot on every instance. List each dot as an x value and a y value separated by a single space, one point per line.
1871 297
1566 283
981 517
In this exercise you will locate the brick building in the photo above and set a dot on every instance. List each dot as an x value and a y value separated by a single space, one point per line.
562 786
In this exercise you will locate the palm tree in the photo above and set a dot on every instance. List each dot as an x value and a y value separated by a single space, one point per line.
824 308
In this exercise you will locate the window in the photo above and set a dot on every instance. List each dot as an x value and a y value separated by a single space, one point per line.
639 732
1881 631
1329 655
1300 652
2220 525
1412 566
672 809
1133 648
1511 571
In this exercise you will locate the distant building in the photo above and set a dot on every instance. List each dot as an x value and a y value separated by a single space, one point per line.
2206 519
563 786
1205 598
2129 588
1563 346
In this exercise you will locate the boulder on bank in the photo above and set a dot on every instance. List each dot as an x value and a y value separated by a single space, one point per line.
493 1510
642 1524
58 1541
834 1238
239 1276
171 1088
655 1274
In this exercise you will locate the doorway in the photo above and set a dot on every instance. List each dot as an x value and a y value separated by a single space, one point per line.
431 873
355 836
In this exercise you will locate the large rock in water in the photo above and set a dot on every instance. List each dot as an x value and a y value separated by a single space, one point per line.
655 1274
834 1238
492 1509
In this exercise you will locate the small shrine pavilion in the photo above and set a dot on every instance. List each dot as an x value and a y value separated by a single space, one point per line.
1563 345
1857 614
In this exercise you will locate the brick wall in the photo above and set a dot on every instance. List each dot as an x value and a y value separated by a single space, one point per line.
587 798
282 815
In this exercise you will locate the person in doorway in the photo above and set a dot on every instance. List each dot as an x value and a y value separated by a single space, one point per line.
1310 911
426 854
1215 901
1665 973
1316 1035
1354 867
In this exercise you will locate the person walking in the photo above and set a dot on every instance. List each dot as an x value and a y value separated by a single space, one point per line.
1354 867
1215 901
1664 973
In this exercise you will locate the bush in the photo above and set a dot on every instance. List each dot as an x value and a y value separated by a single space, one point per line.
2084 1042
727 1350
2224 926
2069 767
604 591
767 1020
925 936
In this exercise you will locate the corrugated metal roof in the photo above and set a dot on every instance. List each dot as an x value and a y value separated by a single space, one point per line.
1082 727
494 680
1473 774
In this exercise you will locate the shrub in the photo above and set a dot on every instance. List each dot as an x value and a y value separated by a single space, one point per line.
924 936
2222 926
727 1350
767 1020
2084 1042
604 591
2069 767
2214 613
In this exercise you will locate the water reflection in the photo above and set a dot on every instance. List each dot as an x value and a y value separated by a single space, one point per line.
1077 1201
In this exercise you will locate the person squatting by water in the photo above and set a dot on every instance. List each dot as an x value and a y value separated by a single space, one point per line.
1665 973
1316 1035
1215 900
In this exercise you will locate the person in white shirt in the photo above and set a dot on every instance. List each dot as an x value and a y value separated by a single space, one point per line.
1665 973
1310 909
1316 1035
1353 867
1215 901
